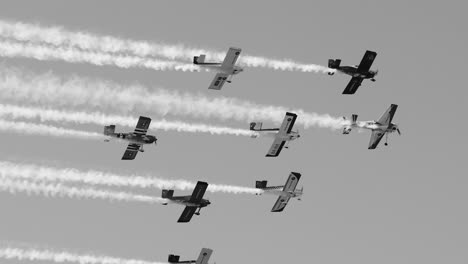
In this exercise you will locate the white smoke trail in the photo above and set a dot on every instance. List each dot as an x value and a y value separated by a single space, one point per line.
46 115
64 257
59 37
60 190
41 52
95 178
48 89
46 130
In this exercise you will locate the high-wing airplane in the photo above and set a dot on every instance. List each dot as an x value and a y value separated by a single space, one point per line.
225 70
136 138
358 72
203 258
288 191
284 133
379 128
191 202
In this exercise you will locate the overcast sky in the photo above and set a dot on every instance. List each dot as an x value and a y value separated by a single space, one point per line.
404 203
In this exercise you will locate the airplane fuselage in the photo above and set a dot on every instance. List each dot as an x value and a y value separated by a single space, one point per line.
279 192
374 125
185 200
352 70
287 137
216 67
135 138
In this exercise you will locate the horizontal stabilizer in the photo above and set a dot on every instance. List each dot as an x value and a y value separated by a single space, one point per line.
256 126
173 258
199 59
261 184
109 130
167 194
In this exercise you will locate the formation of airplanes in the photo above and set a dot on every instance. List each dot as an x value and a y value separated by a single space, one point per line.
282 136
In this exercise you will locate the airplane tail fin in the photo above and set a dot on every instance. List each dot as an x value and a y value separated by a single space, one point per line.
261 184
109 130
199 59
256 126
333 64
167 194
347 129
173 258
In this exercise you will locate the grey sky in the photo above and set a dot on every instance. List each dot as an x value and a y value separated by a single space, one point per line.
405 203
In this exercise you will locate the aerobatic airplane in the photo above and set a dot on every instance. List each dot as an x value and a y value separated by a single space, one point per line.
191 202
225 70
203 258
136 138
379 128
288 191
358 72
284 133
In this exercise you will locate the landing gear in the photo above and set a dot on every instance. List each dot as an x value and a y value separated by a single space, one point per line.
198 213
386 139
372 79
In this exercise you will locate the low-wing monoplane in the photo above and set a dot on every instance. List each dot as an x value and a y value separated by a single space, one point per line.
203 258
285 192
383 126
225 70
358 72
136 138
282 135
191 202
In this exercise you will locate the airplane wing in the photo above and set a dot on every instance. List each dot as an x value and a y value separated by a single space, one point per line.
288 123
387 117
204 256
187 214
353 85
366 61
142 125
218 81
292 181
280 204
198 192
276 148
375 138
231 58
131 152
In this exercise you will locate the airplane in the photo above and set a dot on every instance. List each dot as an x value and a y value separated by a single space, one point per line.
191 202
289 191
136 138
283 135
379 128
225 70
203 258
358 72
